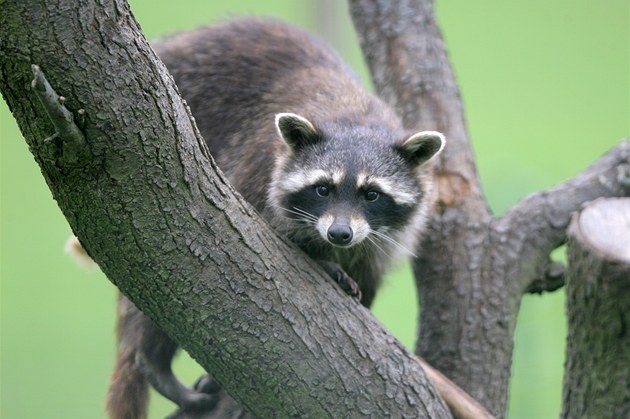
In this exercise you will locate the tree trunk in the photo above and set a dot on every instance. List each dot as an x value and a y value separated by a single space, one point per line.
597 377
140 190
472 268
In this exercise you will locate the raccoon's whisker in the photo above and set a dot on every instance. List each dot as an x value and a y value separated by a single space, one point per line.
304 216
302 213
305 213
287 217
392 241
375 243
385 238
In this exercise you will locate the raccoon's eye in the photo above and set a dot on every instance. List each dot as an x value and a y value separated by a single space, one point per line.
322 190
372 195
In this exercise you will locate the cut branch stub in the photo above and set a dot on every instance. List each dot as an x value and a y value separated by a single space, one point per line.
597 380
603 227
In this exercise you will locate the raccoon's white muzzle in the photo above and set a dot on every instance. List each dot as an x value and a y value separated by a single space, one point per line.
342 232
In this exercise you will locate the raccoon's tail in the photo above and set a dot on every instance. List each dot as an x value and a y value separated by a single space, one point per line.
138 338
129 391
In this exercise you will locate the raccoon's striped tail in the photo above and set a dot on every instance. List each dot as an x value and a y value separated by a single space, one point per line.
140 345
129 391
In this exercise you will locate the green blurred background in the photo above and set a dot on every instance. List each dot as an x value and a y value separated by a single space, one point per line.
546 90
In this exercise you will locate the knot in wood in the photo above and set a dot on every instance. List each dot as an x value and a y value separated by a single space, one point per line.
452 188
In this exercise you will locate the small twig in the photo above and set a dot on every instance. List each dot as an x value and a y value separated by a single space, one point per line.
462 405
74 144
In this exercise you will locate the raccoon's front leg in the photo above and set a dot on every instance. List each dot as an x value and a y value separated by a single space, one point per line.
342 278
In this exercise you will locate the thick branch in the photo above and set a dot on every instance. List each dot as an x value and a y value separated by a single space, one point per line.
151 210
466 322
472 269
405 51
597 378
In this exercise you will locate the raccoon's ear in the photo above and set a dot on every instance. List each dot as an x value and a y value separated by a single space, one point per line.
296 130
422 146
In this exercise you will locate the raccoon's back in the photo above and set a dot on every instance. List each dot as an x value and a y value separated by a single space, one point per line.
237 75
228 70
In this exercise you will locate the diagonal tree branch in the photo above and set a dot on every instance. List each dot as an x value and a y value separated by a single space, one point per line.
151 209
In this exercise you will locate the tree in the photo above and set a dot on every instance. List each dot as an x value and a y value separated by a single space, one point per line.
79 184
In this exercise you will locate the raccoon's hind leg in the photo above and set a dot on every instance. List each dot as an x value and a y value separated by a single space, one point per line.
144 355
343 279
161 377
128 391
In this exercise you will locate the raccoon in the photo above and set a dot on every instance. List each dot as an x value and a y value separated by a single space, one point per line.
328 165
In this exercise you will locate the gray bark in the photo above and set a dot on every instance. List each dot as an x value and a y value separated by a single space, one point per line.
597 377
473 268
143 195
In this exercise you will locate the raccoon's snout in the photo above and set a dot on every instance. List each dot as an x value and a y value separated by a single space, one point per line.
342 231
340 234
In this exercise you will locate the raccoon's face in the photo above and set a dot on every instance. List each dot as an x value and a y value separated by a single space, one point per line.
344 186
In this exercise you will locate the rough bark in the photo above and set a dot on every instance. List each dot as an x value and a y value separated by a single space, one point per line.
143 196
597 378
472 268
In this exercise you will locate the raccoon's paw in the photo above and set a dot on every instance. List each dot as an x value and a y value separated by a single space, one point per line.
164 381
195 405
343 279
74 248
206 384
200 404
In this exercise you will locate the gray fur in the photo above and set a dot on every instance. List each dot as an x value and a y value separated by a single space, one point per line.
279 110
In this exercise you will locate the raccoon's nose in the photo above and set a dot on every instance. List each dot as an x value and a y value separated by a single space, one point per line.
340 234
